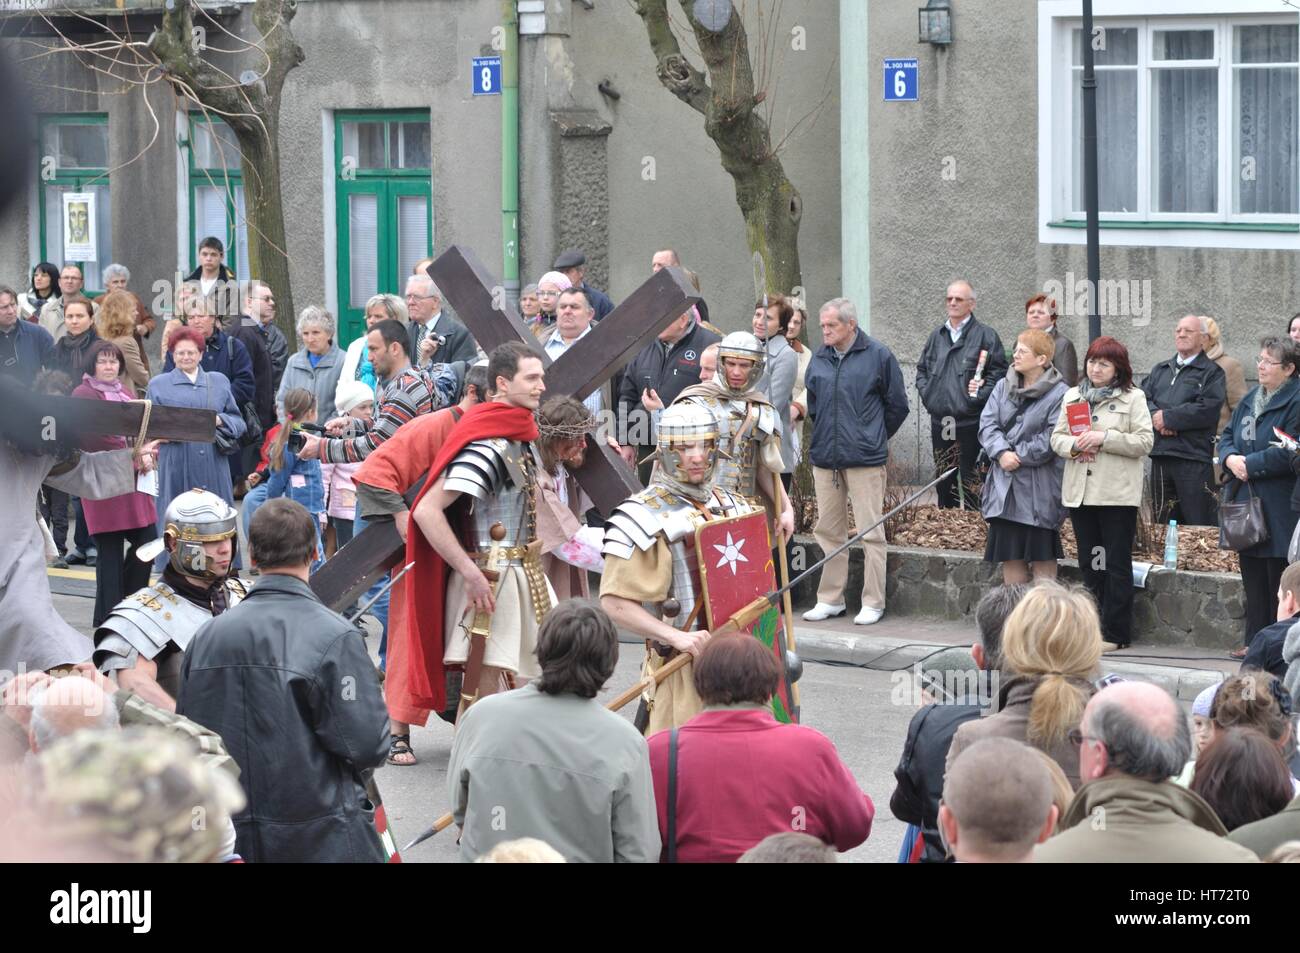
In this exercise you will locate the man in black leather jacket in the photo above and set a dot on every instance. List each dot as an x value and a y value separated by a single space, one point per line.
288 685
946 382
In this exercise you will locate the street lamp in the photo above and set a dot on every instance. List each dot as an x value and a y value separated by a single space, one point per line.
936 22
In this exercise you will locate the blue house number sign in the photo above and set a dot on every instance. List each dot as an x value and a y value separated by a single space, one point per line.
902 81
487 76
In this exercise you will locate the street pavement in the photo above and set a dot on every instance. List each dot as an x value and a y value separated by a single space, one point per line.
856 689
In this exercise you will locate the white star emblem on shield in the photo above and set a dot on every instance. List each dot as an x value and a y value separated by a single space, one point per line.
731 553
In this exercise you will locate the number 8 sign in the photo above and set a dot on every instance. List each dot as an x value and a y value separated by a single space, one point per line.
902 81
486 74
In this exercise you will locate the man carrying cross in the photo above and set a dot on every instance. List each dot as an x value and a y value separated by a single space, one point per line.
478 524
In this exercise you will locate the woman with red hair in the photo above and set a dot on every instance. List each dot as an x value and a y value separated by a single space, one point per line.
1104 432
185 465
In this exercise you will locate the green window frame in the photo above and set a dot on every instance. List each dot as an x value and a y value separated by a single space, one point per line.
383 191
54 178
225 176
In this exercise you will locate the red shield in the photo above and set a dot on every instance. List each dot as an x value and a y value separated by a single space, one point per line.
735 555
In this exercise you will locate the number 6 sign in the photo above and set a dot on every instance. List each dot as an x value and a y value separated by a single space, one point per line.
486 73
902 81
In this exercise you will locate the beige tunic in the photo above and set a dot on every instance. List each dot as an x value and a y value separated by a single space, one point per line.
646 577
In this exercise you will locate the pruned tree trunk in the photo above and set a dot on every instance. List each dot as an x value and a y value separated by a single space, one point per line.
727 99
252 110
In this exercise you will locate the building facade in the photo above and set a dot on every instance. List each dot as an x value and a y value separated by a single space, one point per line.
388 155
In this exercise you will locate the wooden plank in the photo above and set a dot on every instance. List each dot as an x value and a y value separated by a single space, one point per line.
625 331
102 417
352 570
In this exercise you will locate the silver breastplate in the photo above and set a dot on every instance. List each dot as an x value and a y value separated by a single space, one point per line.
656 513
149 620
498 475
736 467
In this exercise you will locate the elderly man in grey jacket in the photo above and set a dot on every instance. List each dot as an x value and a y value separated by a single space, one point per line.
549 761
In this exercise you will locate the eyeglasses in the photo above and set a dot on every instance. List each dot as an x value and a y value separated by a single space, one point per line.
1077 738
419 297
1261 362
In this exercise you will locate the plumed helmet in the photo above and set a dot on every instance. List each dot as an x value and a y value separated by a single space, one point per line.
743 345
192 519
685 423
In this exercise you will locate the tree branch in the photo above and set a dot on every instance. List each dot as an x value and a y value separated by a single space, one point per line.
675 71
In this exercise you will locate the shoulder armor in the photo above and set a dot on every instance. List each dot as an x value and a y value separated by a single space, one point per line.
145 623
645 516
479 470
726 503
236 591
767 421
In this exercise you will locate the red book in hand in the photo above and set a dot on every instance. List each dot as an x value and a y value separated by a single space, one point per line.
1079 416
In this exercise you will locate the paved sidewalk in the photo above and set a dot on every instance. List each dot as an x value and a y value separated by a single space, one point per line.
897 642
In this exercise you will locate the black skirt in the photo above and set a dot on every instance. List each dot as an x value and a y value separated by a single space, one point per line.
1009 541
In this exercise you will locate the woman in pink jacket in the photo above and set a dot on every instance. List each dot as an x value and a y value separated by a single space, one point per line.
741 774
119 522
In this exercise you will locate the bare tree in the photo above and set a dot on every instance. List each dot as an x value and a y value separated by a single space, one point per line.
180 54
727 97
250 105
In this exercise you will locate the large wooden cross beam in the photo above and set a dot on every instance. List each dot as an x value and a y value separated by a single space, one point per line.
31 418
480 303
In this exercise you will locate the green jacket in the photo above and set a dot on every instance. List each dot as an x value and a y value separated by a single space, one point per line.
1120 819
1267 835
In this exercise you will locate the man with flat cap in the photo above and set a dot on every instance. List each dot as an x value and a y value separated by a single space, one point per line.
573 263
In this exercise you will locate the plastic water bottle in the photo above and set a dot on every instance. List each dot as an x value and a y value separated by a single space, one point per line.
1171 546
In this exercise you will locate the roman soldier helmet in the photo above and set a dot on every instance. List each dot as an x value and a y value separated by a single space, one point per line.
685 423
743 345
192 519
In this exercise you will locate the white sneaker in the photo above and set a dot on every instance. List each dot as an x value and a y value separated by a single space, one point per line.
868 616
823 610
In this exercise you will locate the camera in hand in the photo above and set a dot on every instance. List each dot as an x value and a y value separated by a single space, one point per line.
298 439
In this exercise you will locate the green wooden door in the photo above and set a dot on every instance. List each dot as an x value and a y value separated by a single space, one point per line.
382 206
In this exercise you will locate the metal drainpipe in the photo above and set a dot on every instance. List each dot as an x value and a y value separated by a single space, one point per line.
856 85
510 151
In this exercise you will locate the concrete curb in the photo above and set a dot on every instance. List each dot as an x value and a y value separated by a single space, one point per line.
888 654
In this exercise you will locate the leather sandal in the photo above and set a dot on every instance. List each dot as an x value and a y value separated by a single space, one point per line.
400 745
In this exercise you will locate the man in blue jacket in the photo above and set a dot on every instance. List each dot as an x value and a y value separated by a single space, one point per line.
856 402
25 348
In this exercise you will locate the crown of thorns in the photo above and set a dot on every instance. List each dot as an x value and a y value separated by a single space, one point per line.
556 431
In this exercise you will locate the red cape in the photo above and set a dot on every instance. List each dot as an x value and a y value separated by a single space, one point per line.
426 592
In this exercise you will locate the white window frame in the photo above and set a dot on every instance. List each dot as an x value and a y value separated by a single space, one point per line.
1059 222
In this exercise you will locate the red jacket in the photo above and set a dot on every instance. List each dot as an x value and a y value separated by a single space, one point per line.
742 776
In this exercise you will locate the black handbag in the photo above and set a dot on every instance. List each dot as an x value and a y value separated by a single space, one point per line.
1241 525
252 425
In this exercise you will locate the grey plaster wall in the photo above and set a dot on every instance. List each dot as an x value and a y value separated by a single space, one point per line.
690 203
979 108
393 54
141 158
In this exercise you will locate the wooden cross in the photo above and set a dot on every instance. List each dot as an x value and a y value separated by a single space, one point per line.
477 299
30 415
